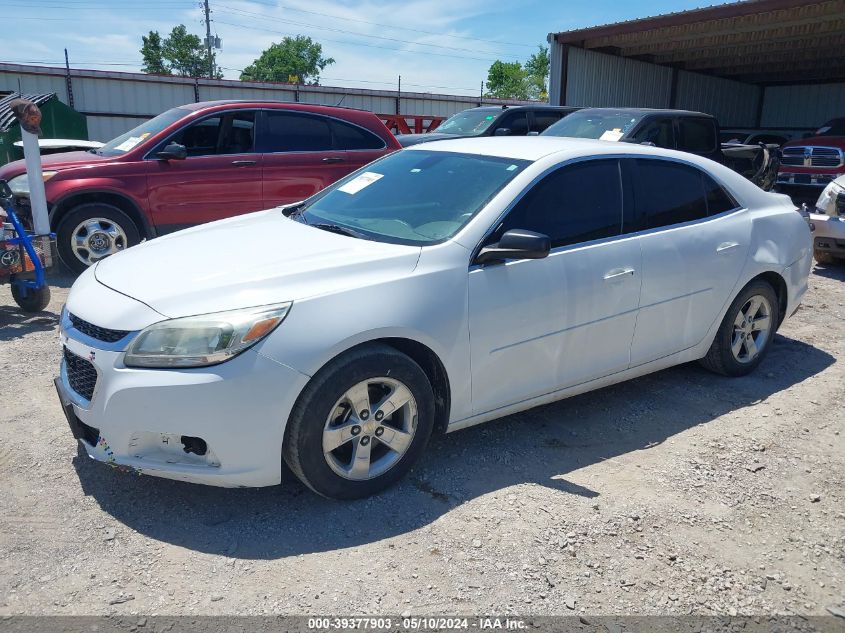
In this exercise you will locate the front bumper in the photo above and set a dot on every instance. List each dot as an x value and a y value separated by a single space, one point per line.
806 179
829 234
140 417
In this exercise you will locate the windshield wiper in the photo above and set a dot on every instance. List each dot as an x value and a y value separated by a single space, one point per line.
340 230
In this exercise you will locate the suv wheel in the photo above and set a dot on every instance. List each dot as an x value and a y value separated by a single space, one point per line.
746 332
360 424
93 231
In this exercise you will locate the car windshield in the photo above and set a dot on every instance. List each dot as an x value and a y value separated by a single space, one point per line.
607 125
133 137
468 123
836 127
413 197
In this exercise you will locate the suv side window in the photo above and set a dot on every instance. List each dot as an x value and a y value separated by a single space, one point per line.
657 131
668 193
577 203
516 122
294 132
351 137
545 118
229 133
697 136
718 200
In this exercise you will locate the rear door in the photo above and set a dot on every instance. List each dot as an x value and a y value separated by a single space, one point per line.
298 156
221 176
694 244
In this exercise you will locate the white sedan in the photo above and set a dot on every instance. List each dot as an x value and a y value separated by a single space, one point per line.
442 286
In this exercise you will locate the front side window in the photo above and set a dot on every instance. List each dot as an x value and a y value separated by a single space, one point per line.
516 122
658 132
545 119
414 197
668 193
697 136
295 132
576 203
229 133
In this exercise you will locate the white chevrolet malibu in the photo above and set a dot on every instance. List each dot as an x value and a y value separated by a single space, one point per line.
442 286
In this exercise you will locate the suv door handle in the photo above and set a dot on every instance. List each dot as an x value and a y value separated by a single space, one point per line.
243 163
333 159
618 272
726 246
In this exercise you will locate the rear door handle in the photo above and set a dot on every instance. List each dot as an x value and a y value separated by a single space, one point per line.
726 246
333 159
618 272
243 163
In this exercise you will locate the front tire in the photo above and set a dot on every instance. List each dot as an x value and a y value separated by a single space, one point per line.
91 232
746 332
360 424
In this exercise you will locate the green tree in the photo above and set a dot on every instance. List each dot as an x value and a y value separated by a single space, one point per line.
180 53
153 56
298 59
507 80
537 74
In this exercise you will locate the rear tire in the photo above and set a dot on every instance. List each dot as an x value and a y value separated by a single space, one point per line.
92 231
372 448
823 257
746 332
34 301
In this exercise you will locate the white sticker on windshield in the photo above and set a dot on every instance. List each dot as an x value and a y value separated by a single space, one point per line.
611 135
129 143
364 180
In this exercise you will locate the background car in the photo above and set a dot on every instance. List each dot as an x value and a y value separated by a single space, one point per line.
197 163
492 121
440 287
814 161
828 218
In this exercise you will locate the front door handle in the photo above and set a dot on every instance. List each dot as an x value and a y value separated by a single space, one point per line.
618 272
243 163
333 159
726 246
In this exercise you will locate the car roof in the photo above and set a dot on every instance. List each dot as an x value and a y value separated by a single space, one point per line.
511 108
663 111
263 103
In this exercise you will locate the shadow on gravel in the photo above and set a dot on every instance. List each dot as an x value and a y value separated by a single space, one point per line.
539 447
831 271
15 323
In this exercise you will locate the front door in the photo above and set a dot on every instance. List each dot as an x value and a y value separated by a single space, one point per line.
221 176
537 326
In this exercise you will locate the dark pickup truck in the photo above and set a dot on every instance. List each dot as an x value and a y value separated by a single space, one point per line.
683 130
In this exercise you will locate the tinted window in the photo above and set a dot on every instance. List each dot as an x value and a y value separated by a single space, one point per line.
668 193
517 122
577 203
542 120
133 137
656 131
351 137
231 133
718 200
696 135
293 132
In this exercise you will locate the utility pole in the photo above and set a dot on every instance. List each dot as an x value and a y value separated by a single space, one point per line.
208 39
68 81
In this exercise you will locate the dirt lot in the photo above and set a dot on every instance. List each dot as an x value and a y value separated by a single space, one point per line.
681 492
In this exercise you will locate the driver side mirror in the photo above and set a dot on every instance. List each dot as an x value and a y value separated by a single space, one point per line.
502 131
516 244
173 151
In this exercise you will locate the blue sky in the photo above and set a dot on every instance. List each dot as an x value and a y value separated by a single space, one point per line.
436 45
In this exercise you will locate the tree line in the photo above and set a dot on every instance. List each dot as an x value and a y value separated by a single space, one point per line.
300 60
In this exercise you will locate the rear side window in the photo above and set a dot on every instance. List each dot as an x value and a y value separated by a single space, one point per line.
351 137
697 136
668 193
577 203
718 200
295 132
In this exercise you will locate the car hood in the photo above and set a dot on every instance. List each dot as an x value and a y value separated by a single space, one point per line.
250 260
406 140
818 141
62 160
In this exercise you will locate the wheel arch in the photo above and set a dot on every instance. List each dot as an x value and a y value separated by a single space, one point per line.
123 202
776 281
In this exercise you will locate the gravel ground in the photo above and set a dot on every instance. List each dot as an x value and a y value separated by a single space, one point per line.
680 492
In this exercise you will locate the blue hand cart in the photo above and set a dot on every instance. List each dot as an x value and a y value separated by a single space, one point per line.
24 258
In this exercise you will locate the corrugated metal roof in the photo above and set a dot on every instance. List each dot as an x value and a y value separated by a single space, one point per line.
7 117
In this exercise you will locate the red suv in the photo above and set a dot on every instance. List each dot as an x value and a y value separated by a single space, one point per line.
197 163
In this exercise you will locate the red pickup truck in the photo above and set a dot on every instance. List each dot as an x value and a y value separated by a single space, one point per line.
197 163
814 161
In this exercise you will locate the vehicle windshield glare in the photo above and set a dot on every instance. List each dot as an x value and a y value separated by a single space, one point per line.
608 125
836 127
467 123
416 197
137 135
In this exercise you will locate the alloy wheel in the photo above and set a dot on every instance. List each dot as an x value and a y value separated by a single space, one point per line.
752 329
97 238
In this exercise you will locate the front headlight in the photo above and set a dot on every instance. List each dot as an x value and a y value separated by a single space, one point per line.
20 184
206 339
